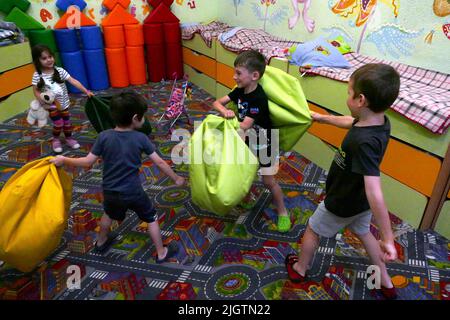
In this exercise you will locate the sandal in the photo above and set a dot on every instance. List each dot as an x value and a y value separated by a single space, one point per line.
106 244
293 275
284 223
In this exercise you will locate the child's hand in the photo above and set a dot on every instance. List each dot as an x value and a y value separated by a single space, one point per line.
388 248
90 93
229 114
317 117
180 181
57 161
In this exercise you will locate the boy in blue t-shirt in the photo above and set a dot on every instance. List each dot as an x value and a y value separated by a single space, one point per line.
121 149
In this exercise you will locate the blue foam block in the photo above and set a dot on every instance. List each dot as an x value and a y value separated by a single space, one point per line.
67 40
91 38
96 69
65 4
73 62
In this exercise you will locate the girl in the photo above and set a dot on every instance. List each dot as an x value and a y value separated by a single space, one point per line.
52 78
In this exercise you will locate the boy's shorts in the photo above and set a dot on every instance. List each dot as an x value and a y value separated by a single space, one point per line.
327 224
116 205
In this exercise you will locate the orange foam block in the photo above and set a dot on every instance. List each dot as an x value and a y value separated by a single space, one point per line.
136 65
114 37
69 20
110 4
134 35
117 67
118 16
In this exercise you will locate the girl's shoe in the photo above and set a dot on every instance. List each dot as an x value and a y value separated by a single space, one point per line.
71 142
56 145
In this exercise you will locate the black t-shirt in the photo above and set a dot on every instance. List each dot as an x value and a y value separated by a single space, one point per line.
360 155
255 105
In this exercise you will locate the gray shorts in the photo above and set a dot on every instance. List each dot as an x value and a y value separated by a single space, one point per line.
327 224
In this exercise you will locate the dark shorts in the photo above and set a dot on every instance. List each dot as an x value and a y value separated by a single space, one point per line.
265 157
116 205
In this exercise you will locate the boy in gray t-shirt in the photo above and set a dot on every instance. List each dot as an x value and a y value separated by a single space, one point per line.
121 149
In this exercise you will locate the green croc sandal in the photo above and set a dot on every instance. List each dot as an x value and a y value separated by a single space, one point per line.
284 223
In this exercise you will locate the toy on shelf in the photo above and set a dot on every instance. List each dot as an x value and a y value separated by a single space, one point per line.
177 102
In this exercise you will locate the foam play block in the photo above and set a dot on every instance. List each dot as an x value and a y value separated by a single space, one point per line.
134 35
114 36
174 61
153 34
136 65
63 5
67 21
172 32
22 20
91 38
7 5
74 64
67 40
161 14
96 69
118 16
155 63
117 67
45 37
110 4
155 3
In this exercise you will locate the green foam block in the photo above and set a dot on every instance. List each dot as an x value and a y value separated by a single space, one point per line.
22 20
7 5
45 37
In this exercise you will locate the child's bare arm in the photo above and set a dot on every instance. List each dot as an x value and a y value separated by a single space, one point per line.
179 181
87 161
77 84
374 193
345 122
219 105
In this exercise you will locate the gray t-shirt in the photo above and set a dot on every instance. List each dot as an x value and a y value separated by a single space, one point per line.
121 152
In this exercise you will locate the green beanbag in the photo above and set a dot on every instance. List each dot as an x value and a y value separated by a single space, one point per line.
288 107
222 168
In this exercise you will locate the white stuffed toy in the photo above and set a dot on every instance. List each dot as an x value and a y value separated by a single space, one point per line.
38 111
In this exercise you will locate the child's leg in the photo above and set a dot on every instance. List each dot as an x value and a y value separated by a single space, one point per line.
105 226
374 251
67 124
278 197
155 235
58 122
310 243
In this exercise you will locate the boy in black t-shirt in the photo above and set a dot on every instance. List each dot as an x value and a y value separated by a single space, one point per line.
353 186
253 115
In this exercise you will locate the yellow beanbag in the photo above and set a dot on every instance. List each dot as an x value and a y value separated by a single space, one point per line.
34 207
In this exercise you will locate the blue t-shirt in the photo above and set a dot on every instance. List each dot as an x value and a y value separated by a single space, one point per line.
121 152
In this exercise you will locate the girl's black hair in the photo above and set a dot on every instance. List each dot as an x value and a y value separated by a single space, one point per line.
36 53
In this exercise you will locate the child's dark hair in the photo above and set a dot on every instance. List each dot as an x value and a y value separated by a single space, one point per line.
36 53
125 105
379 83
252 60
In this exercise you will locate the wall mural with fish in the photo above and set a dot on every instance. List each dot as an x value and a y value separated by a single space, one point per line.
414 32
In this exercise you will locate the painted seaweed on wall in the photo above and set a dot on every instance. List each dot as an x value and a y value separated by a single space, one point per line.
262 10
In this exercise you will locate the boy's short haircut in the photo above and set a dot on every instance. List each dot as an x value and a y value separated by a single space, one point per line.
251 60
379 83
125 105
